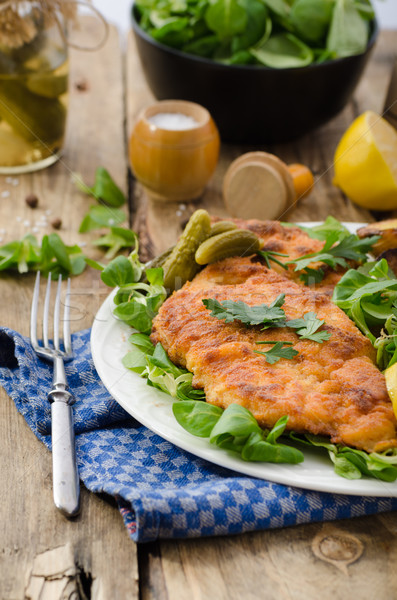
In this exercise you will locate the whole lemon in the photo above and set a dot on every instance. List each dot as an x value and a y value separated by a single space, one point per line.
365 163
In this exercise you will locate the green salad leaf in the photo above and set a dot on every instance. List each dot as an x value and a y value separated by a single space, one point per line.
104 189
351 463
283 51
226 18
52 255
117 239
348 31
100 216
368 295
236 429
138 303
330 226
276 33
311 18
153 363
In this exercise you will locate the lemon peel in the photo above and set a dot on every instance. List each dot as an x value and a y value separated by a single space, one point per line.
365 163
391 384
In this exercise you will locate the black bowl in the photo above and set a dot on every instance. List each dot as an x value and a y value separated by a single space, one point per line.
252 104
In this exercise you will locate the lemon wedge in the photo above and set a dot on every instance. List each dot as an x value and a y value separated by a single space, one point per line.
391 385
365 163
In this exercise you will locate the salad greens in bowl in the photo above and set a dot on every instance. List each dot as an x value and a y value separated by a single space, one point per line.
267 70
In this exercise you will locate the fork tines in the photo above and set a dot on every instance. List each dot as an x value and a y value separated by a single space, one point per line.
58 342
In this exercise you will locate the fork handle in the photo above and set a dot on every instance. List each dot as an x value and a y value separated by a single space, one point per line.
66 489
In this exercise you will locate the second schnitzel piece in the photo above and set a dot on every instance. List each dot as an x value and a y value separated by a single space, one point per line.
295 243
331 388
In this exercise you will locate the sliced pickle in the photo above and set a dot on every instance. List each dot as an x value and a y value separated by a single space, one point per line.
221 227
236 242
180 265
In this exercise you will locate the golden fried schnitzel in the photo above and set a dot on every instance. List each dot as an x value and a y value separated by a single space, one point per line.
331 388
294 242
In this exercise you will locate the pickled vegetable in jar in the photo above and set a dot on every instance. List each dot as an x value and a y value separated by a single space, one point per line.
33 83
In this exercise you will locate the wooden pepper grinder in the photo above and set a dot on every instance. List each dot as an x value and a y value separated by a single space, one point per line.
258 185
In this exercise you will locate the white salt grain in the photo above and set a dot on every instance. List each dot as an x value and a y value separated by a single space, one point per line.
18 219
182 207
15 181
35 230
2 231
9 179
26 223
173 121
178 213
5 194
48 211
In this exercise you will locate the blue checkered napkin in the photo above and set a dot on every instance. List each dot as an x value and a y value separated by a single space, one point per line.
162 491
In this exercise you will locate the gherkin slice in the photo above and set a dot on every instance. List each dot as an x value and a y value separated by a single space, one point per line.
236 242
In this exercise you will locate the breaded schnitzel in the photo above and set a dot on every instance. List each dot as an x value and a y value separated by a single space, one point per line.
333 388
294 242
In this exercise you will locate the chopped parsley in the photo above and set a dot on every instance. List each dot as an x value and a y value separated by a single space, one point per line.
307 328
269 255
261 314
278 351
336 252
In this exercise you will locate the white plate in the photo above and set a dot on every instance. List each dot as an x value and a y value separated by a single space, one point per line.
152 408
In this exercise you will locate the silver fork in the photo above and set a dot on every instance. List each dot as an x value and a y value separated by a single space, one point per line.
66 490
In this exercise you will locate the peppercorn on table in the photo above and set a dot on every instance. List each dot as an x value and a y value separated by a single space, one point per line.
92 556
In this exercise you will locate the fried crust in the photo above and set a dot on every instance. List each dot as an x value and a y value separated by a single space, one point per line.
294 242
332 389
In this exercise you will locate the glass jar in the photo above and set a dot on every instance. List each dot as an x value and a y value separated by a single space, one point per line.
33 85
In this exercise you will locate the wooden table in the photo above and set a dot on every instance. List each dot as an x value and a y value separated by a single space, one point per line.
92 557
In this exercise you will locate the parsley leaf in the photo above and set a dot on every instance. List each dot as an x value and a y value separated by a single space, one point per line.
261 314
307 328
311 276
268 255
350 247
268 316
278 351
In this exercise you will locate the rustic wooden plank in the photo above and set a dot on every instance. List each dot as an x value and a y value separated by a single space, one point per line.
104 556
316 150
344 559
